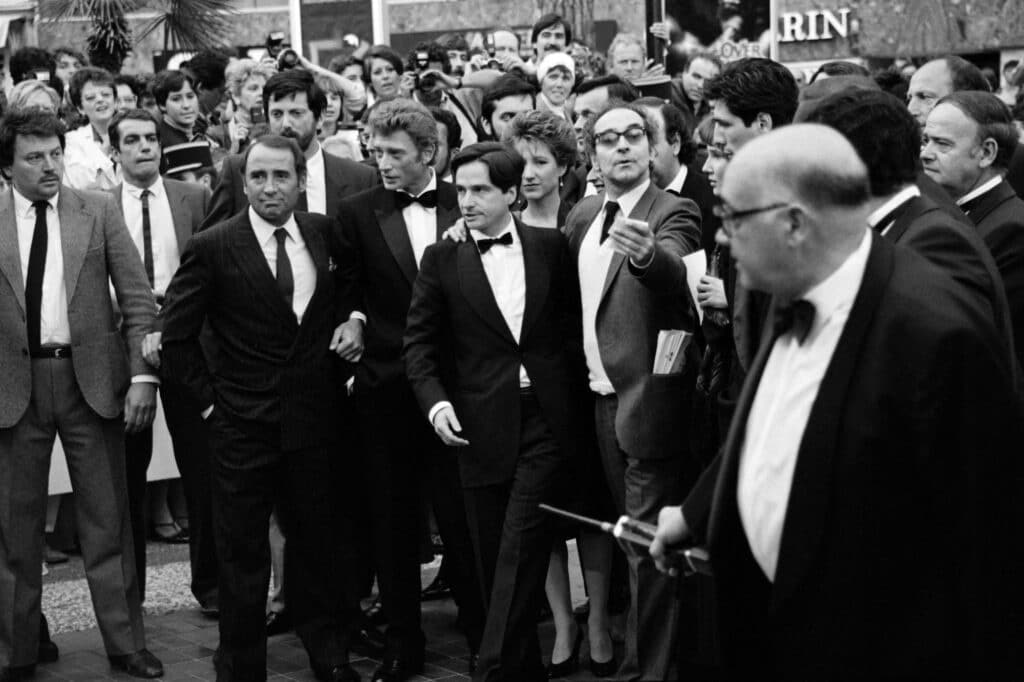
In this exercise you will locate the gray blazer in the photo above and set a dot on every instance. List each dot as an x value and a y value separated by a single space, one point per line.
97 249
189 202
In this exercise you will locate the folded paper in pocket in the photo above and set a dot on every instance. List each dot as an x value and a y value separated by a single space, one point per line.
671 351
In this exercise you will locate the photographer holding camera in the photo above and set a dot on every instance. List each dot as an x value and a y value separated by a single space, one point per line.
428 74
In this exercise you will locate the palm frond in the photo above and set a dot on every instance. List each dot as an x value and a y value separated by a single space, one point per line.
102 10
189 24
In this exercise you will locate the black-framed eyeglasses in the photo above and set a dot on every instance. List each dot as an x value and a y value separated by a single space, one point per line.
609 138
730 218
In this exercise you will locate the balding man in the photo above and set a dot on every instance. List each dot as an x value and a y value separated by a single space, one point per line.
941 77
865 497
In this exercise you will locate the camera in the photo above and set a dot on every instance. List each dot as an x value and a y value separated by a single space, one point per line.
289 59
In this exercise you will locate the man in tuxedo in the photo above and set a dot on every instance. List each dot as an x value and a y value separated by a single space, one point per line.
858 520
293 104
161 216
492 351
383 234
68 370
968 141
628 244
675 169
887 139
264 283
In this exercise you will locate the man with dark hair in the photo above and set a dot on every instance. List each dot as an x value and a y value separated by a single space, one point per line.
688 89
506 97
207 69
550 33
492 351
449 140
67 62
592 95
384 232
261 282
70 366
880 420
457 48
162 215
751 96
35 63
887 140
175 96
674 167
838 68
293 103
628 244
968 140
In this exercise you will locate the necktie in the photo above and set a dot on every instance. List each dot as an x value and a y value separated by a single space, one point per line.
611 209
485 244
147 237
796 317
285 282
426 200
34 278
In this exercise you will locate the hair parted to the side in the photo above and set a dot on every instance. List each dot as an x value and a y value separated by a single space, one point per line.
130 115
504 165
548 129
278 142
755 85
994 120
406 115
31 122
293 82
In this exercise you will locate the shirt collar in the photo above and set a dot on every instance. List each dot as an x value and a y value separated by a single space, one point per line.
978 191
431 185
510 228
265 231
156 189
628 201
900 198
23 207
677 182
837 291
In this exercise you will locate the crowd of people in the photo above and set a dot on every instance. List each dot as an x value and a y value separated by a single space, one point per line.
395 294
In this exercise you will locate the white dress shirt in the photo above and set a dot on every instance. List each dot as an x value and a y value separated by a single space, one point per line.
163 238
678 181
506 274
883 211
303 269
421 222
778 416
986 186
593 261
86 165
54 327
316 183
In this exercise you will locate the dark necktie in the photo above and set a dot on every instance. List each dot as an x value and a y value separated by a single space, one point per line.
285 281
147 237
34 277
303 203
426 200
797 317
485 244
611 209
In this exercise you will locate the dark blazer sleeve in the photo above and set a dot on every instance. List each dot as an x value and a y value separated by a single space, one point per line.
222 203
185 310
697 505
424 333
677 235
350 259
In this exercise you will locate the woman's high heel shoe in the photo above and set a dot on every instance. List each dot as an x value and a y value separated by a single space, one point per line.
569 665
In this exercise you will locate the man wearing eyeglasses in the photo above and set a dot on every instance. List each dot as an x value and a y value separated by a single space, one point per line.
629 243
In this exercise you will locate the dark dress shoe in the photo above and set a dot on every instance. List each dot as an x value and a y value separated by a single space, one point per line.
374 616
437 589
48 651
171 533
397 670
606 669
368 642
569 665
339 673
278 623
140 664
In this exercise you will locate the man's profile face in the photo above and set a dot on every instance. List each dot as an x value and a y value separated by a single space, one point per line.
928 85
505 109
666 164
37 167
290 116
272 183
583 108
757 242
950 151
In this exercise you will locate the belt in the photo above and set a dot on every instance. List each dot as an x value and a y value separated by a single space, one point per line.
52 353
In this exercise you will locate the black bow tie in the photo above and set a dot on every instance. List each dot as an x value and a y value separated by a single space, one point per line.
426 200
797 317
485 244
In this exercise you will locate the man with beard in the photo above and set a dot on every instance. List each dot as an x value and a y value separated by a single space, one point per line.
293 103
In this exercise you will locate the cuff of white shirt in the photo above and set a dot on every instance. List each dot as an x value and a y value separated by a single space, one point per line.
435 409
646 265
356 315
145 379
207 412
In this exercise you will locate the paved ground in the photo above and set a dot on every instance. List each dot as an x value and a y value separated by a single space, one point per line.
185 641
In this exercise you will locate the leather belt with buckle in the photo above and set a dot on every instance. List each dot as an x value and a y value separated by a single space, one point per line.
52 353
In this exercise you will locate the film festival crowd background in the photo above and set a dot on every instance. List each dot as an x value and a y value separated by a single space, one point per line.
433 291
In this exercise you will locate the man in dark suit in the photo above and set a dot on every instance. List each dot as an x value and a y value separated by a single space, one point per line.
263 281
887 140
161 216
629 244
492 351
384 232
67 369
858 517
968 140
293 103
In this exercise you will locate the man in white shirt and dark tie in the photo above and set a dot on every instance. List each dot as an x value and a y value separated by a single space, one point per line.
861 517
493 353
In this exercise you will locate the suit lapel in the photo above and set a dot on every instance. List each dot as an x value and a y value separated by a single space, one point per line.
318 253
903 217
334 185
812 486
447 208
477 288
639 212
249 256
180 214
75 232
10 254
392 226
536 277
990 201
